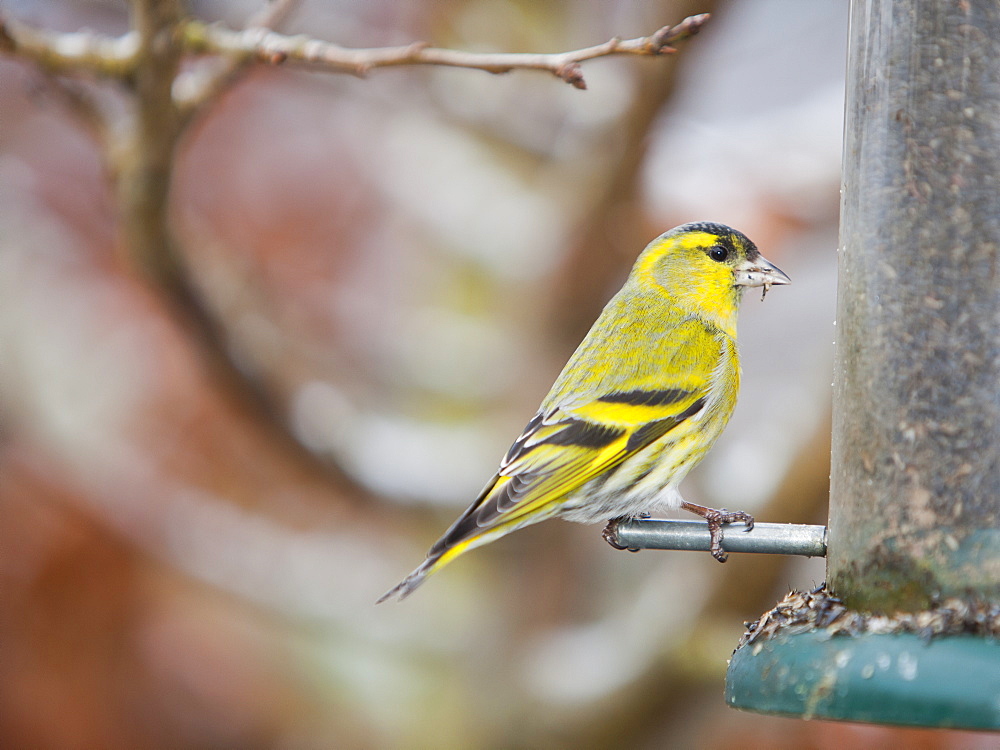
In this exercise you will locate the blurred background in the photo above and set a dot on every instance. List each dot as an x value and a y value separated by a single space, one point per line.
399 266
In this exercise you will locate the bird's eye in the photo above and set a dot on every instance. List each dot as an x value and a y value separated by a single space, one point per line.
718 253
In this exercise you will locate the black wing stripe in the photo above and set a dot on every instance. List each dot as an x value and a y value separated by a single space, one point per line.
647 398
584 434
655 430
576 433
481 514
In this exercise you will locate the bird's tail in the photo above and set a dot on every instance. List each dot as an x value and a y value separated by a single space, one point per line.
468 532
443 552
409 584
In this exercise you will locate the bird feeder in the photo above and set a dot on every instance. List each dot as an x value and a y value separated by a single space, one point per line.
913 554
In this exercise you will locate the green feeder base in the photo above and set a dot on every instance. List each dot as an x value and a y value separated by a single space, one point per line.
899 678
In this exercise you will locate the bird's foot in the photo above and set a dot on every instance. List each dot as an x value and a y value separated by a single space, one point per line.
715 519
610 533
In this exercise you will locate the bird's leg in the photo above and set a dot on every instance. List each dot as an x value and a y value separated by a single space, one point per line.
610 533
715 519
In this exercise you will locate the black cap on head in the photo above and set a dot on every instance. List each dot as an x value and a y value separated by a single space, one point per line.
727 235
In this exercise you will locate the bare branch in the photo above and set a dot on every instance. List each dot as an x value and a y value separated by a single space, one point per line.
62 55
202 85
117 57
145 167
112 57
141 152
143 175
267 46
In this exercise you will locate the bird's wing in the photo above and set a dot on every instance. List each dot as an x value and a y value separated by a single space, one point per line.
563 448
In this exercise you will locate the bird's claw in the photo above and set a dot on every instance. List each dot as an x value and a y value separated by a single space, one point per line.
610 534
715 519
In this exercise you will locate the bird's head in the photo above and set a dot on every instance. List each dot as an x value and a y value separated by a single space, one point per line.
705 268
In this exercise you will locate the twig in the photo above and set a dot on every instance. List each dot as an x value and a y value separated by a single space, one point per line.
267 46
147 60
203 84
117 57
144 171
72 52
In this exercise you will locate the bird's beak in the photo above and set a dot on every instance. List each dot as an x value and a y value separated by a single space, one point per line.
760 272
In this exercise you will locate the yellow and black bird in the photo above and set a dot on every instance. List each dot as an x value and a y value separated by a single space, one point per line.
640 402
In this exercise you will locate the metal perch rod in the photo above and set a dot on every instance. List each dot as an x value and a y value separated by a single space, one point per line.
770 538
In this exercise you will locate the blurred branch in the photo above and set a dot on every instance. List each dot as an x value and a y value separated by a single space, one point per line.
70 52
143 173
83 106
266 46
144 168
140 141
58 54
196 88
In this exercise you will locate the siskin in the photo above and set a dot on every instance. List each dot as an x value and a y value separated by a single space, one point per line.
640 402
